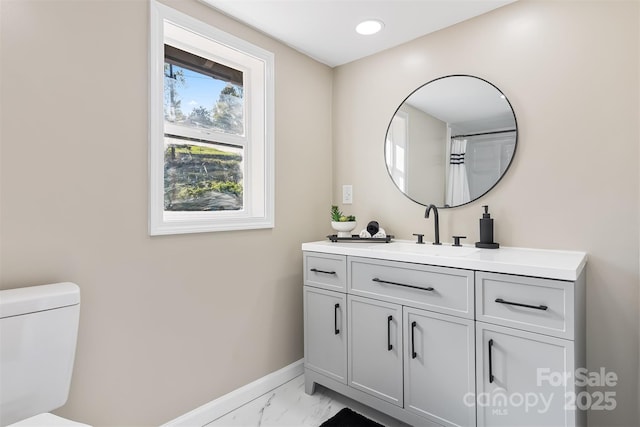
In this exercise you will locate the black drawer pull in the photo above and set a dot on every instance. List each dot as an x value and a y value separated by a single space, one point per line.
490 361
537 307
389 345
315 270
375 279
413 341
335 319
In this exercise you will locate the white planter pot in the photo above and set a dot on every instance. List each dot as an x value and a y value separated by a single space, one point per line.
343 228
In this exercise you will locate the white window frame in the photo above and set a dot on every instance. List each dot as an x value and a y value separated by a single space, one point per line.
399 124
186 33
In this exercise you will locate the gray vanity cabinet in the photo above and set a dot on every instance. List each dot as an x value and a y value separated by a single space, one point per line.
325 338
407 355
438 289
513 389
529 343
437 328
375 348
325 315
450 344
439 367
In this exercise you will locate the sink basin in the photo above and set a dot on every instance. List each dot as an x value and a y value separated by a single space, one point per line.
428 249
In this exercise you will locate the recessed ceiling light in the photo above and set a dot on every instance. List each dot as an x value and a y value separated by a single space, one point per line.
368 27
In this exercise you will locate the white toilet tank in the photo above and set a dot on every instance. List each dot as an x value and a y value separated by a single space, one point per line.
38 332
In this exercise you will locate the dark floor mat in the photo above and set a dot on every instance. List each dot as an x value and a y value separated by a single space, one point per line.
348 418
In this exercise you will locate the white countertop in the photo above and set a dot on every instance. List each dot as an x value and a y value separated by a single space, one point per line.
551 264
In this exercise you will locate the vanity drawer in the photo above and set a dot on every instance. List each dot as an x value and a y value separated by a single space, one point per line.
325 271
533 304
441 289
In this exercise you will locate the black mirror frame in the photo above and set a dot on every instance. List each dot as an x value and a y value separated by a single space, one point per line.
501 176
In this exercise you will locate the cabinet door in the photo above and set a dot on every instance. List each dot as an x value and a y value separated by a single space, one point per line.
375 348
439 367
325 333
519 377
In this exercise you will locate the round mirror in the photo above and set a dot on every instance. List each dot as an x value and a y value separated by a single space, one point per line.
451 141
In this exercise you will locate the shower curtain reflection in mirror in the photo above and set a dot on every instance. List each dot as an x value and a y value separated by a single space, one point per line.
476 163
457 182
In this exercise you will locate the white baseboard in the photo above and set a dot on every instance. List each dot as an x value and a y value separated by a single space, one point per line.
233 400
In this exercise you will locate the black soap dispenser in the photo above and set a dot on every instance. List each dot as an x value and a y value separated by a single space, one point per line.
486 231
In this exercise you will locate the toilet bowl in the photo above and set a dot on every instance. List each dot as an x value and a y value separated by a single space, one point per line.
38 333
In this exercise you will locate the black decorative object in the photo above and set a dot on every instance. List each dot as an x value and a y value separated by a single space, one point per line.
373 227
356 238
348 418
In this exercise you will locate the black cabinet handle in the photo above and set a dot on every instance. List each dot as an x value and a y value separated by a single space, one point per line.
537 307
389 345
375 279
490 361
315 270
413 341
335 318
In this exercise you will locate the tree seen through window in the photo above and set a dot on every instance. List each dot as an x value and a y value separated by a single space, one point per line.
201 175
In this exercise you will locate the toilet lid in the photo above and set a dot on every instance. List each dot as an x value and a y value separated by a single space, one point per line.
47 420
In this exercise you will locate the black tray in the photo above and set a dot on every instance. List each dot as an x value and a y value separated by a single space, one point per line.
356 238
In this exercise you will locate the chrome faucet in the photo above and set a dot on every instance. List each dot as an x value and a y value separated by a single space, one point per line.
436 222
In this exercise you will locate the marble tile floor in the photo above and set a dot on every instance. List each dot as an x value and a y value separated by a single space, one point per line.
289 405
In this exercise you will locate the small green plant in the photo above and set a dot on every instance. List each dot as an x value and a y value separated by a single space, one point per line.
337 216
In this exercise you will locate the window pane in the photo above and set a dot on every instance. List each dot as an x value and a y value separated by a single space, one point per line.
199 93
202 177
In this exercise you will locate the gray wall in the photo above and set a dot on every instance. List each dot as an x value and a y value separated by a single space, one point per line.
571 71
167 323
427 147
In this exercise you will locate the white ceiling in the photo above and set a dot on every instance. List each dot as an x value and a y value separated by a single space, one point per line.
324 29
468 104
